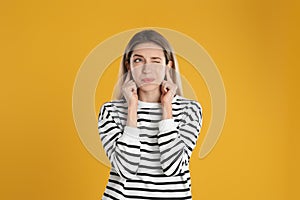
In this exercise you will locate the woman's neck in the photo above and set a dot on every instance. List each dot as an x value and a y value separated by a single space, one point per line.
150 96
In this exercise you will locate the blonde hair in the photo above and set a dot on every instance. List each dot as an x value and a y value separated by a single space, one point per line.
144 37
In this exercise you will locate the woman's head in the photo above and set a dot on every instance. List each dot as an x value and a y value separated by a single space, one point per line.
145 57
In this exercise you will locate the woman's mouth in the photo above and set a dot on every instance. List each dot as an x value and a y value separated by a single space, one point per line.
148 80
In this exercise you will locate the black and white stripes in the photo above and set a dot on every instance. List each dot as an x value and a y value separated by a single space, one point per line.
152 160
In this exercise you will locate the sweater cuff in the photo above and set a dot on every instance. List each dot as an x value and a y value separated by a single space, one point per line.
131 132
166 125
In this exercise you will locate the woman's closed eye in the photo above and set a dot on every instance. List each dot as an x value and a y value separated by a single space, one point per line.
156 61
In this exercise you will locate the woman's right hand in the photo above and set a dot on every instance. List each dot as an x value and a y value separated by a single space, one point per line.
129 90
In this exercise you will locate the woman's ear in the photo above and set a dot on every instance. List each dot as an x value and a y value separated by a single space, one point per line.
170 70
170 63
127 65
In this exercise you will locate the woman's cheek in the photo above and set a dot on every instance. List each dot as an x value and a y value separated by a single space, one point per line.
135 74
161 76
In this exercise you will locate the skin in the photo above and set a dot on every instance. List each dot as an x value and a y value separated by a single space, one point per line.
147 69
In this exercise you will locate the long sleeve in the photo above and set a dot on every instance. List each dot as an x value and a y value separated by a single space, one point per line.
122 145
176 143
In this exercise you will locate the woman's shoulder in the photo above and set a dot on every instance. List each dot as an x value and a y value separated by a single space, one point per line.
190 107
114 104
180 100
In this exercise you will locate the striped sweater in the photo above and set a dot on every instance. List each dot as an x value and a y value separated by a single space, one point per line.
150 161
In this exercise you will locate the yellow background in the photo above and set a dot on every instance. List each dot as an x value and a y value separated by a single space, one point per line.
255 45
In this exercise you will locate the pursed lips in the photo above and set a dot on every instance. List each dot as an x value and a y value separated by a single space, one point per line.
147 80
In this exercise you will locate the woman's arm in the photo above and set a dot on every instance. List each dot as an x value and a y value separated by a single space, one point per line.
177 143
122 146
132 116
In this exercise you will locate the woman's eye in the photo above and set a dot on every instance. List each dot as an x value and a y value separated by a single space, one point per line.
137 60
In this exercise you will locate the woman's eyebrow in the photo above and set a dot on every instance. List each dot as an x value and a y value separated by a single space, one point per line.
156 58
137 55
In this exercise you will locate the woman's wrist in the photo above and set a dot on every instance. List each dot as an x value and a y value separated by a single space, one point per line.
132 116
167 111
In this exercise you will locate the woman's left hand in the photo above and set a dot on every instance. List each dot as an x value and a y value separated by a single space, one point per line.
168 89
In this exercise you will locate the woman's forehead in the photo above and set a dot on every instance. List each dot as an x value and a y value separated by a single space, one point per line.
148 48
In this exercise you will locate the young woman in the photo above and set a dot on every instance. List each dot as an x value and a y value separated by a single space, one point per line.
150 131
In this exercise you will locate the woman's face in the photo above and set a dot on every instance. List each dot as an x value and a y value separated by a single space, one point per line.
147 65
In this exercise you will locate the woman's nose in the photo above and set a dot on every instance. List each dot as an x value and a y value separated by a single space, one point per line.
146 68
